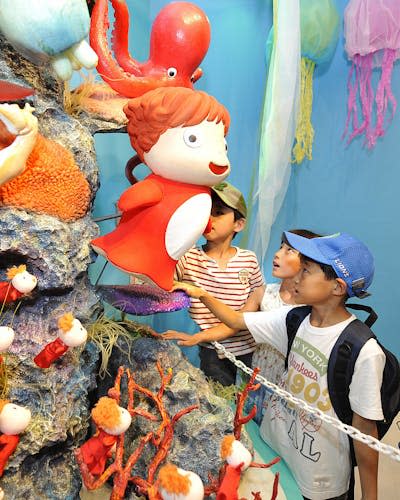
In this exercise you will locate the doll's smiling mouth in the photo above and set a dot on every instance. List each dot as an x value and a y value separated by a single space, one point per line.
217 169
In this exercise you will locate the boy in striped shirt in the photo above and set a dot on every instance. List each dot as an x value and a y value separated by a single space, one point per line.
228 273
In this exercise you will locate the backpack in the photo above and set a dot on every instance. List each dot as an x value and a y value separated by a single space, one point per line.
341 366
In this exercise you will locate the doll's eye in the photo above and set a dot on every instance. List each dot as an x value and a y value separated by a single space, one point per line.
192 138
226 146
171 72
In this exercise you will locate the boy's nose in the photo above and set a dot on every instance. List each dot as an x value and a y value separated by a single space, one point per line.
297 278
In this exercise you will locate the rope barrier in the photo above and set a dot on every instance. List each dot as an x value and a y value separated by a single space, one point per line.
354 433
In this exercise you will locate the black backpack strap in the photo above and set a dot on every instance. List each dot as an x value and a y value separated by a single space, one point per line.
294 319
341 366
372 316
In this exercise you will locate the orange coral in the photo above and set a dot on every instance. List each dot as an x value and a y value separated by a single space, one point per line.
65 322
172 481
14 270
226 446
51 183
106 413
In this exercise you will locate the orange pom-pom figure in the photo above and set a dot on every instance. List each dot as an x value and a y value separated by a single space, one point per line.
71 333
111 420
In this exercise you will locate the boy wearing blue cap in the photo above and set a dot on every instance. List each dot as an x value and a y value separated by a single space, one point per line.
333 268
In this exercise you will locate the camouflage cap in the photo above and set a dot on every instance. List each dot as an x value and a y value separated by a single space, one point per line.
231 196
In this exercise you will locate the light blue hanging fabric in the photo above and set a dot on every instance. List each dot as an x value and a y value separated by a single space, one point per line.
278 125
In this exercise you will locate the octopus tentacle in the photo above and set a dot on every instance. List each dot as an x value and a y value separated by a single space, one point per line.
119 38
109 70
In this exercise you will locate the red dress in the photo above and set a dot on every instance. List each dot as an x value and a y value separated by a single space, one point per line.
161 219
8 293
8 443
96 451
50 353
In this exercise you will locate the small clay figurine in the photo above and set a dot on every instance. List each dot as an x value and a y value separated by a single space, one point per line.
71 334
20 284
14 420
238 459
179 484
111 420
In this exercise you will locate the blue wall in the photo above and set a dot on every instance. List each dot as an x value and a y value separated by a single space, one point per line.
342 189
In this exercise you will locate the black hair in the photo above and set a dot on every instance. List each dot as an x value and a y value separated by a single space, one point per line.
236 214
329 272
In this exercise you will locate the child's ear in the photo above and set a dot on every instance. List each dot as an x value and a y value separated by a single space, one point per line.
340 287
240 225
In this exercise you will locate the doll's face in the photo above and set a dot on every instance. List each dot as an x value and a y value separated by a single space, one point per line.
195 155
24 282
125 422
6 337
239 454
14 419
77 335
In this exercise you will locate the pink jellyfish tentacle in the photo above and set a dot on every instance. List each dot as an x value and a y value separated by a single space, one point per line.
384 92
120 37
363 82
352 101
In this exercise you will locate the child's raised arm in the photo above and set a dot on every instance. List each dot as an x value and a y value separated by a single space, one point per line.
230 317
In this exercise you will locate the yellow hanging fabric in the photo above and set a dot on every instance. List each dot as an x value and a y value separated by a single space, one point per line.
304 130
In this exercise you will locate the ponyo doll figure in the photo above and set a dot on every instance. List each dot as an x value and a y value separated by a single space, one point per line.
14 420
71 333
179 484
238 459
20 283
179 134
112 421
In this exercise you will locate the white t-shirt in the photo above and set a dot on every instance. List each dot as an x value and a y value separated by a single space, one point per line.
316 452
231 285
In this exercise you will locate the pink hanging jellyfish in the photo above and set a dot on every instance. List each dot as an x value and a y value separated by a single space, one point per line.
372 32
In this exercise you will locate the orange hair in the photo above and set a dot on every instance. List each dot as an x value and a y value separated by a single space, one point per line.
13 271
3 403
226 446
172 481
151 114
65 322
106 413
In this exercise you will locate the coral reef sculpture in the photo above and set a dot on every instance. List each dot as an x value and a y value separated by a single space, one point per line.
161 438
52 183
158 486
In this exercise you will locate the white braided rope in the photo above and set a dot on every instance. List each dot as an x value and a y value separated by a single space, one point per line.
372 442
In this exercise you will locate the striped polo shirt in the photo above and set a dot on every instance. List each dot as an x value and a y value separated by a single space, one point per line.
231 285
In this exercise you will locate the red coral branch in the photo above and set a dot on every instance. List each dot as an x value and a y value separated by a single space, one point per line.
241 397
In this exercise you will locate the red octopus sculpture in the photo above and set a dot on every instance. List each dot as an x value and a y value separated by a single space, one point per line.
179 40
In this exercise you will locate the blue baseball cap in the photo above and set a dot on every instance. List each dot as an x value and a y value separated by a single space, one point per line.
349 257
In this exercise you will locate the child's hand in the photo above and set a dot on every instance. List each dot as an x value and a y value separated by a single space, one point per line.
183 338
193 291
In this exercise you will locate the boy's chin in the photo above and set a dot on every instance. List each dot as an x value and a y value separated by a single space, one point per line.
298 299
